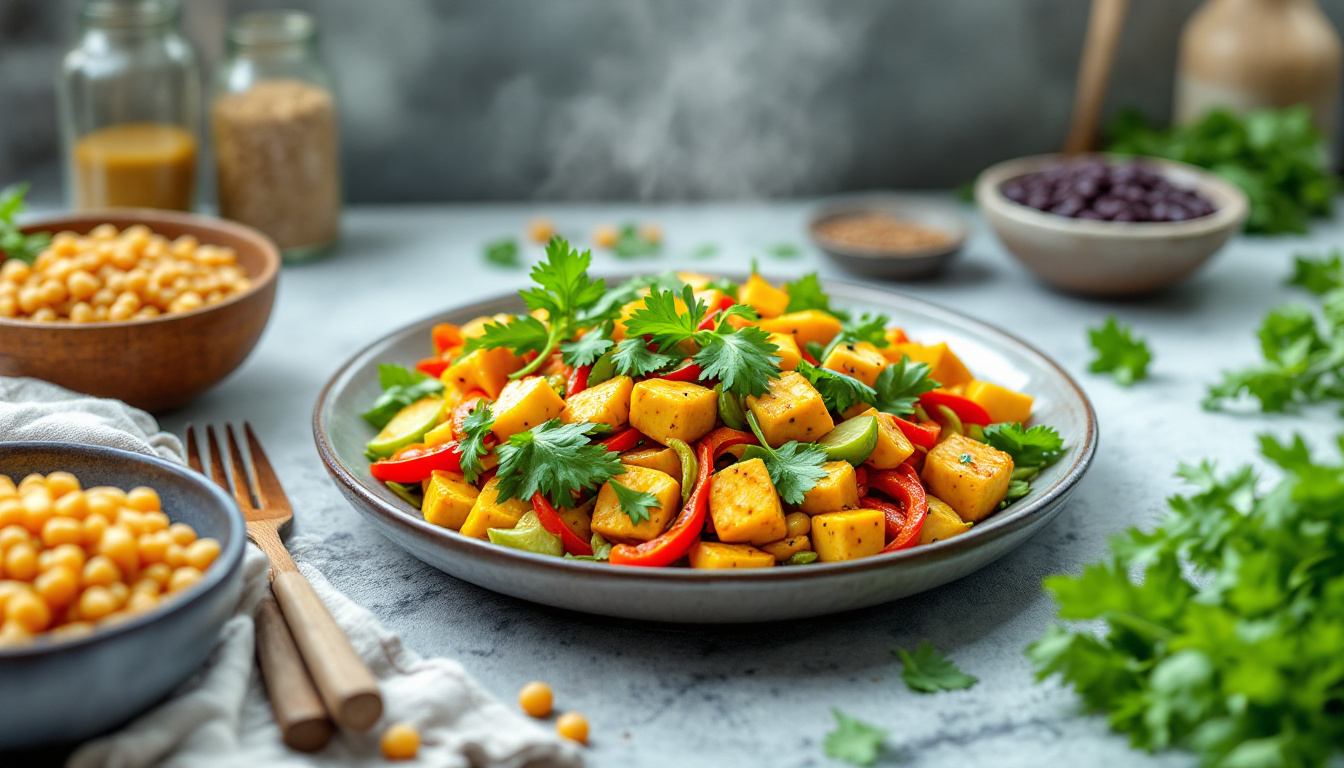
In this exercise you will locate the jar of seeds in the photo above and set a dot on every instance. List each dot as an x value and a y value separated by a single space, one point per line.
275 134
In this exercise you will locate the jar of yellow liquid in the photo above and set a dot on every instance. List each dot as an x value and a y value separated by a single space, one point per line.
129 96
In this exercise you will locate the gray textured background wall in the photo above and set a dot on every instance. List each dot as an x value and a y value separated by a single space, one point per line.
506 99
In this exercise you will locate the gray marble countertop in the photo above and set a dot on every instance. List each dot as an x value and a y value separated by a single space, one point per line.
761 695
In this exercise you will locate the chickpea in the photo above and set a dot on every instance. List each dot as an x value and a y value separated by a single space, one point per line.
401 741
183 578
53 291
29 611
154 548
201 553
605 236
37 508
96 603
44 315
572 726
120 313
15 271
58 586
94 526
14 635
100 571
82 312
7 487
62 530
141 602
21 562
161 573
14 534
182 533
154 522
119 546
9 306
536 699
11 512
540 230
30 300
103 232
74 504
64 556
798 524
144 499
61 483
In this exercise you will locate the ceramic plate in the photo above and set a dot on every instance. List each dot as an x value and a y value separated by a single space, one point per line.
685 595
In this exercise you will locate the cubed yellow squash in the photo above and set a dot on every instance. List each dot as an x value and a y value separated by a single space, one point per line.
523 404
484 369
489 512
839 489
809 325
895 336
789 354
967 474
785 548
861 360
744 505
614 524
848 534
579 519
942 522
448 499
654 457
606 403
944 365
791 410
767 300
893 447
663 410
473 328
1001 403
714 554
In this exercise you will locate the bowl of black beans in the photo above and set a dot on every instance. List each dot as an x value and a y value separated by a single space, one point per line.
1109 225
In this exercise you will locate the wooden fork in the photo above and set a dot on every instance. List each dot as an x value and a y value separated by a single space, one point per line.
347 688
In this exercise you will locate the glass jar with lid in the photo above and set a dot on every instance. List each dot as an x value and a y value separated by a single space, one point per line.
129 99
275 133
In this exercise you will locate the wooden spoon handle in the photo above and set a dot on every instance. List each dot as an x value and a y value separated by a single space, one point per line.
1104 24
303 721
345 683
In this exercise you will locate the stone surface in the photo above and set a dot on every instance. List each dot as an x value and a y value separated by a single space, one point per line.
761 695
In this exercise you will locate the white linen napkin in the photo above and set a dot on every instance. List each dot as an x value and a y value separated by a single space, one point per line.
221 717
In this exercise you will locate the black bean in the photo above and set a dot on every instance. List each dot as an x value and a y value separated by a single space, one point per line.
1097 189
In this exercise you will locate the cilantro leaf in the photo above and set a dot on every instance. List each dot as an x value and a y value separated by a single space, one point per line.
521 334
744 360
1320 275
632 241
475 427
869 328
900 384
785 250
838 390
806 293
854 741
928 670
634 358
401 387
660 320
635 504
1119 353
13 243
555 460
1036 447
794 467
609 306
587 349
503 252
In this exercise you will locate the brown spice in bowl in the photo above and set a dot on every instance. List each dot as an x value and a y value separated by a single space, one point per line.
880 232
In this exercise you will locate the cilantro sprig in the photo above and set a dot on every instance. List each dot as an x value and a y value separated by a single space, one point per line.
556 460
838 391
794 467
806 293
401 387
928 670
1119 353
635 504
13 243
853 740
1039 446
475 427
900 384
502 252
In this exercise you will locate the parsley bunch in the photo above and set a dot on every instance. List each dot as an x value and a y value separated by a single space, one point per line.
1227 640
13 243
556 460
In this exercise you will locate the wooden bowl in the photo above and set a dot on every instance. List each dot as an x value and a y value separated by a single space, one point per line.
160 363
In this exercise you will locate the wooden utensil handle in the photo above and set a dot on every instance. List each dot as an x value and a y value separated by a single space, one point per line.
345 683
1104 24
303 721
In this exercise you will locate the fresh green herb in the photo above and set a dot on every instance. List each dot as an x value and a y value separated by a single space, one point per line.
502 253
634 358
854 741
475 427
609 306
633 242
661 321
801 558
928 670
586 350
705 251
785 250
869 328
601 550
1318 274
965 458
1119 353
1222 627
794 467
635 504
1017 488
723 284
555 460
401 387
838 390
520 334
1275 156
900 384
1038 447
806 293
13 243
408 493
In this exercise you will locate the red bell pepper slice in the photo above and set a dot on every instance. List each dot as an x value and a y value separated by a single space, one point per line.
808 356
578 380
924 435
432 366
861 479
550 520
688 372
624 440
417 463
897 336
445 337
902 484
465 408
969 411
675 542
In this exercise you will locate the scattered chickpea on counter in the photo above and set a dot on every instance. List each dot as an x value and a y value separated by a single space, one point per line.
401 741
112 276
536 699
71 558
573 726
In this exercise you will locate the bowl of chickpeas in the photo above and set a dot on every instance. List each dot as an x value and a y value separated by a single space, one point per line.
117 573
145 306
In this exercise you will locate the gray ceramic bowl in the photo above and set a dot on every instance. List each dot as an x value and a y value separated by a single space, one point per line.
685 595
889 265
63 692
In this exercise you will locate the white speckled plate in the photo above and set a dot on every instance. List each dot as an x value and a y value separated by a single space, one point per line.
685 595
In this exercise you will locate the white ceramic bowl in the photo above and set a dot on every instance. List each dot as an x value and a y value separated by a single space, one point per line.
1110 258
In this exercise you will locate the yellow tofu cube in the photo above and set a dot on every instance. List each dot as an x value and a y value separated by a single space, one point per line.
848 534
484 369
944 366
654 457
473 328
806 326
767 300
448 499
714 554
579 519
785 548
789 354
489 512
606 403
663 410
523 404
839 489
942 522
614 524
967 474
1001 403
861 360
893 447
744 505
791 410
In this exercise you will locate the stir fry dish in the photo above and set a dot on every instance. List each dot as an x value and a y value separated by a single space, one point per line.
683 420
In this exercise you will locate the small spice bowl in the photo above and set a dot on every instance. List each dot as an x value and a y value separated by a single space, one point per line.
890 236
